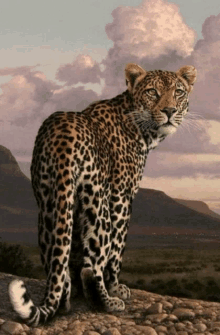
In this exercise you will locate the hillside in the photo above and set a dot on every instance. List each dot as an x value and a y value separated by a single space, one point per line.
198 206
152 208
15 187
18 208
153 211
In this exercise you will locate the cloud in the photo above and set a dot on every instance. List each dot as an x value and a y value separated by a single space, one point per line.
151 35
210 28
84 69
20 140
29 91
23 96
188 165
200 188
193 136
151 29
71 99
47 58
213 132
206 58
27 99
15 71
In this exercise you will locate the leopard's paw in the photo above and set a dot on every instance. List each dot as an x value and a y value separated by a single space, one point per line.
114 304
121 291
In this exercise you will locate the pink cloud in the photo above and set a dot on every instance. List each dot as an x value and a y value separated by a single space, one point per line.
23 96
206 58
27 95
189 166
193 136
152 35
27 99
210 28
152 29
13 71
84 69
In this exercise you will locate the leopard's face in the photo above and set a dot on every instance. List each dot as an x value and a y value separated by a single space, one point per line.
161 98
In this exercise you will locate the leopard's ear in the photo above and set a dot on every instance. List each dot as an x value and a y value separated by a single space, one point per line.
133 74
188 73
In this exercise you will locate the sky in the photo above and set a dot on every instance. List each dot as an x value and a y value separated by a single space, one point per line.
64 55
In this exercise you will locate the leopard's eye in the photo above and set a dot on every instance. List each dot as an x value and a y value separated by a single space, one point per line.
152 92
179 93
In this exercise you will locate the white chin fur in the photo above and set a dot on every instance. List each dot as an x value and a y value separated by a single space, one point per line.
167 130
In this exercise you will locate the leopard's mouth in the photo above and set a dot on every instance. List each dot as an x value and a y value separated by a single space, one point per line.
168 124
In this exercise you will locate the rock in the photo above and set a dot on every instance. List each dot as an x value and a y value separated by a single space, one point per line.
91 332
144 330
78 327
189 304
112 331
127 323
167 305
184 313
26 328
99 328
36 331
156 317
12 328
111 319
172 317
200 327
180 326
155 309
172 331
161 329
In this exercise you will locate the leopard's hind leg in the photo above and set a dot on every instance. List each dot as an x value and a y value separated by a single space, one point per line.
97 245
55 231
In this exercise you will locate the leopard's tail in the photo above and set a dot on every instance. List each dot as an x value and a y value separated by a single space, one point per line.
58 285
24 306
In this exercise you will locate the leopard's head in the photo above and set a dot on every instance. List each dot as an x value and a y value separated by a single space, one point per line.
160 98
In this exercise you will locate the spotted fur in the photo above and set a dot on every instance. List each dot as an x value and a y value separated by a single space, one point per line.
86 170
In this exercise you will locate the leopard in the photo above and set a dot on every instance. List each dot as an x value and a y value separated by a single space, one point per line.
86 170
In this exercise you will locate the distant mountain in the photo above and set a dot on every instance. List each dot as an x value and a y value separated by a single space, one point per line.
198 206
153 211
18 207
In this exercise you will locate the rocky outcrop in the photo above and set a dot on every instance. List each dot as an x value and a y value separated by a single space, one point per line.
146 314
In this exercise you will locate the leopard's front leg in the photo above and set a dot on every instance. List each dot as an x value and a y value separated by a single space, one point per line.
113 269
121 211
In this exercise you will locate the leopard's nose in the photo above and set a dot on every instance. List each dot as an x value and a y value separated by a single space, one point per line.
169 111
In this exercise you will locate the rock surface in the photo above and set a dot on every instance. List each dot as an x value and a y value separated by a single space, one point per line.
146 314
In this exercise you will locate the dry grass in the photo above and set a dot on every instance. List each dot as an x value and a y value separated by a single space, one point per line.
178 272
187 273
